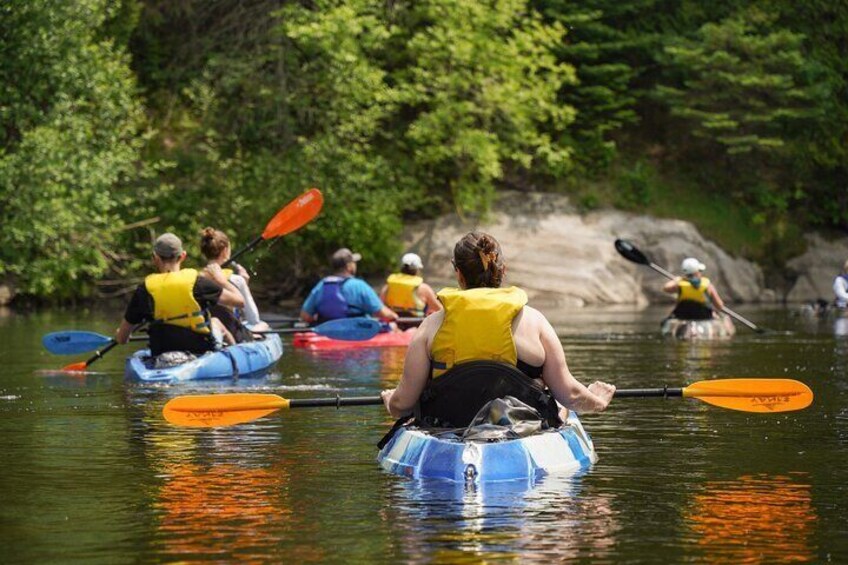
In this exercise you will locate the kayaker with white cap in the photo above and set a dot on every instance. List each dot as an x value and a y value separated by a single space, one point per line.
486 343
406 292
176 302
342 294
697 298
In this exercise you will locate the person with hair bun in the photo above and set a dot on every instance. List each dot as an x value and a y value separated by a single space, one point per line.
486 343
215 246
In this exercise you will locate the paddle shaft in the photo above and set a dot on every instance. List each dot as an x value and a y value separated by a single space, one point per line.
242 251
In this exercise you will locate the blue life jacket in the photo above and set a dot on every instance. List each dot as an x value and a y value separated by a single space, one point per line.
333 305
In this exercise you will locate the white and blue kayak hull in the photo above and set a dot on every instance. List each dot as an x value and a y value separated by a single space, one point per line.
251 359
414 453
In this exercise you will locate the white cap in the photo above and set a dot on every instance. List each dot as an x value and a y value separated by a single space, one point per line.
690 266
412 260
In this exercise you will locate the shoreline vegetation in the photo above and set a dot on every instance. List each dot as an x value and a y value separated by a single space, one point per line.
123 119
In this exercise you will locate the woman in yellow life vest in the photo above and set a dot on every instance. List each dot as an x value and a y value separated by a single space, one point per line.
176 303
697 298
406 292
491 328
215 246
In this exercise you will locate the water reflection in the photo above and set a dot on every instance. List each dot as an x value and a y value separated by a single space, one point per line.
755 519
513 520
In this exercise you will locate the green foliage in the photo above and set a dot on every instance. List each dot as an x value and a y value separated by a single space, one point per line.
741 83
71 138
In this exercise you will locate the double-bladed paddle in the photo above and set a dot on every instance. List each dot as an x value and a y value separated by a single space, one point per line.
745 395
293 216
74 342
631 253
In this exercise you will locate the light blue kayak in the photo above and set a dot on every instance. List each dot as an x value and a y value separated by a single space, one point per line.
417 454
251 359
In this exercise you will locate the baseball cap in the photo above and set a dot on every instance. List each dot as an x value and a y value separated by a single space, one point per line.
690 266
168 246
344 256
412 260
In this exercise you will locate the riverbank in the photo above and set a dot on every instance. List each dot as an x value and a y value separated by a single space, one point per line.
562 257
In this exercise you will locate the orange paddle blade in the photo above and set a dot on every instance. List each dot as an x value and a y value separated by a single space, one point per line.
753 395
295 215
212 410
75 367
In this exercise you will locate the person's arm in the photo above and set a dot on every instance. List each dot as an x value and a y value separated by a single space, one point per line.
566 389
383 292
122 336
416 370
230 296
718 303
428 296
671 286
386 313
368 301
251 312
309 310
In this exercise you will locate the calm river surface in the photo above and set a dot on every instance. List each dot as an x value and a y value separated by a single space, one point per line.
92 473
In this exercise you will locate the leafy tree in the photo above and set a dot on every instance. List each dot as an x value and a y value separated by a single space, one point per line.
71 135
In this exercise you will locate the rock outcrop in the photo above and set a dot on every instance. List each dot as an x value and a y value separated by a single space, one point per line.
567 259
816 269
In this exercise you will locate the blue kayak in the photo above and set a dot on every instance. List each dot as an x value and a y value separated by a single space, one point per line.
251 359
416 453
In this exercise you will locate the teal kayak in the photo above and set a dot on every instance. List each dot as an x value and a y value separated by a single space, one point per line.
250 359
421 454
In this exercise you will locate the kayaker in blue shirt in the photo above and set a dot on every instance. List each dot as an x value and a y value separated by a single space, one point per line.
343 295
486 343
176 302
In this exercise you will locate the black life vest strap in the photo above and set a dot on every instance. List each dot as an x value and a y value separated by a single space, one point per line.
453 399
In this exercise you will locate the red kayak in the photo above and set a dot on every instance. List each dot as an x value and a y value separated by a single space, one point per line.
313 341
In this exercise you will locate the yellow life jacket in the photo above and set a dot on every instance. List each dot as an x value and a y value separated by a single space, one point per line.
477 326
401 295
227 273
173 300
685 291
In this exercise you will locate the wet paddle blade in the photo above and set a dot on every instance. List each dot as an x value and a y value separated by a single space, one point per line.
629 252
349 329
294 216
73 342
752 395
75 367
213 410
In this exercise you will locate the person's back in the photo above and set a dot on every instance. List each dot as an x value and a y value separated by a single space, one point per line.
406 293
343 295
175 302
484 325
696 296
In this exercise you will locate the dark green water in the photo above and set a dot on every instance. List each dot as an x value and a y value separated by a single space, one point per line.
91 472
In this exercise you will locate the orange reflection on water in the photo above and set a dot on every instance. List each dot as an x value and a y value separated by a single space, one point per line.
755 519
225 511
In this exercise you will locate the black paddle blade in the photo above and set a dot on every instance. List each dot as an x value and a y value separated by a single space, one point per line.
629 252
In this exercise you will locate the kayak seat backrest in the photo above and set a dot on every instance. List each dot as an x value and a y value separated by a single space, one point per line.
453 399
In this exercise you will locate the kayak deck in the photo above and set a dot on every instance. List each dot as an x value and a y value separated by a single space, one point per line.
417 454
717 328
314 342
250 359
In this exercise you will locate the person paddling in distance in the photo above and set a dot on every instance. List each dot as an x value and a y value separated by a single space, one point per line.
840 289
697 298
486 342
406 293
343 295
176 302
215 246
